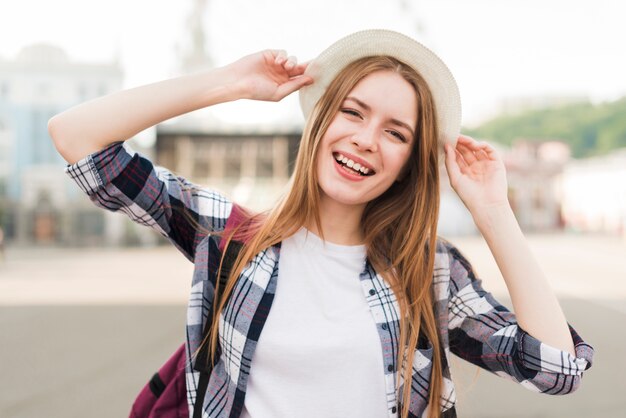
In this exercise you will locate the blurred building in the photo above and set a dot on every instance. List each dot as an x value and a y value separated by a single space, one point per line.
37 203
594 194
250 163
534 171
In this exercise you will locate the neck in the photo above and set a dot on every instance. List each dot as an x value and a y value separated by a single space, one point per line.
340 224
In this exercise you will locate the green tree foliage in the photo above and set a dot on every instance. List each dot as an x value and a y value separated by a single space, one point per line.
589 129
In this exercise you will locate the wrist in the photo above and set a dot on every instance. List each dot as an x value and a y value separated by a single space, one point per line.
489 218
219 85
233 83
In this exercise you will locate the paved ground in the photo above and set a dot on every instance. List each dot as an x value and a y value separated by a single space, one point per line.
82 330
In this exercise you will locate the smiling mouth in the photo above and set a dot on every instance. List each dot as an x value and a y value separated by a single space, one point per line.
350 165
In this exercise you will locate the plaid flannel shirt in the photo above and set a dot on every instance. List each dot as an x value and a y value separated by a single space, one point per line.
472 324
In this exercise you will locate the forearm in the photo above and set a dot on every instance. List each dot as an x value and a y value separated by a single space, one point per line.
536 307
93 125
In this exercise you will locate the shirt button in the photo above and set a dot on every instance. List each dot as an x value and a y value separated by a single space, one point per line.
393 409
390 368
372 292
384 326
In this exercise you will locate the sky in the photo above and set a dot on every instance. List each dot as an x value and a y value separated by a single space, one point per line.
498 50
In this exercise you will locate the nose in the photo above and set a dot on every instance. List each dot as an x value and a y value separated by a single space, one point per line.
366 139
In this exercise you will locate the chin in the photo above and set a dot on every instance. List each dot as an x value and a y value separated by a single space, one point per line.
346 197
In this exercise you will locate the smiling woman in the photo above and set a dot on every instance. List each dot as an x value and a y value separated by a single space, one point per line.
368 138
341 300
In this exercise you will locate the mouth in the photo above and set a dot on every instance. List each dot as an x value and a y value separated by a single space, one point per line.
352 166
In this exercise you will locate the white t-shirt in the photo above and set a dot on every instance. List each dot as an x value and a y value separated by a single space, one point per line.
319 354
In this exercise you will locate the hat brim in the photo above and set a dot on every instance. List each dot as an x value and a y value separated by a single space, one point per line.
443 86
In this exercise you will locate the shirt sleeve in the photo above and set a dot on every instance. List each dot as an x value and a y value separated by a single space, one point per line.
485 333
117 178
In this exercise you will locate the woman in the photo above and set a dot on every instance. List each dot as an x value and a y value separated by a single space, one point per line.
354 239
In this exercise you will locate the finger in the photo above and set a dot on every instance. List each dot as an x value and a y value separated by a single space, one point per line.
298 69
460 160
472 144
281 56
292 85
489 151
466 152
451 164
477 148
482 145
482 155
466 139
290 62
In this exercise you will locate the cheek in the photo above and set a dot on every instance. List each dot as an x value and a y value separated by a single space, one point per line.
399 160
323 161
333 132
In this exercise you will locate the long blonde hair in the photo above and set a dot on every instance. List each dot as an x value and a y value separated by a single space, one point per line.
400 226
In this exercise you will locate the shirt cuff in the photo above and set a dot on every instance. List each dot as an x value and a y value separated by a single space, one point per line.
98 169
536 355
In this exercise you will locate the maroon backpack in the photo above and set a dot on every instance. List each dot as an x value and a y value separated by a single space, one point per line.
165 395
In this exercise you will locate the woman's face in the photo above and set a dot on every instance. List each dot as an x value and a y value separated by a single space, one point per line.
369 141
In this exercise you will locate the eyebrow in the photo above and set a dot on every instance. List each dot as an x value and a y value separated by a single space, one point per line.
392 120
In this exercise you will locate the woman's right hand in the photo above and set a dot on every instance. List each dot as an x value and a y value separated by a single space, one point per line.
268 75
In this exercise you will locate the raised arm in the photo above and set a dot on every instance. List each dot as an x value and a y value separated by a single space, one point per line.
89 127
478 176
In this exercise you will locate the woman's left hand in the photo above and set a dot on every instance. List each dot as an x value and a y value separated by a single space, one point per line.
476 173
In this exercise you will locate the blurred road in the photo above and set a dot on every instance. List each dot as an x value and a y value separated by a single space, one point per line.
82 330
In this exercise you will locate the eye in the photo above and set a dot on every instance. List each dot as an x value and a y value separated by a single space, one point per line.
398 135
351 112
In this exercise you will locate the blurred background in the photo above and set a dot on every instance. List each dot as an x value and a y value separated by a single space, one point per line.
91 304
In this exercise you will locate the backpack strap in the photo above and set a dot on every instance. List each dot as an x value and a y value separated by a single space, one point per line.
202 363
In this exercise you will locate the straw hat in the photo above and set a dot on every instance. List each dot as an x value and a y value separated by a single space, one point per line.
331 61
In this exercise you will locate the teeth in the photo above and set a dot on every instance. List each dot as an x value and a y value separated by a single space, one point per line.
351 164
